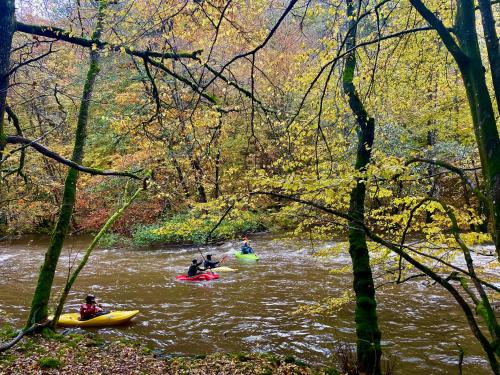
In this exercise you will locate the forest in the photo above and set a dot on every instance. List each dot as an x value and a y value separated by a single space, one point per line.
365 130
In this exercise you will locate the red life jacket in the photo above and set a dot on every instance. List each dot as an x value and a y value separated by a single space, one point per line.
88 310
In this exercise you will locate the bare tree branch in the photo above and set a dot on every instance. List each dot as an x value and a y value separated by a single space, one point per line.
51 154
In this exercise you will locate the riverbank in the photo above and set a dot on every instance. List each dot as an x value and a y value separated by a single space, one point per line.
91 354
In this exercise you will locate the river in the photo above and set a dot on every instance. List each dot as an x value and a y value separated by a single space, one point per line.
248 310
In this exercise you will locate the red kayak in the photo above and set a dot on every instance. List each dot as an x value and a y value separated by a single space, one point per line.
199 277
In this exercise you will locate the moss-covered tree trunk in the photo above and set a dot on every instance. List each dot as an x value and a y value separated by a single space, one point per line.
367 330
39 304
492 44
7 28
483 116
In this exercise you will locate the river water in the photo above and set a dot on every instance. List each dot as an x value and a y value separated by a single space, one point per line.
248 310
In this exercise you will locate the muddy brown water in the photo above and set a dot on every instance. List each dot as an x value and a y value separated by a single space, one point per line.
248 310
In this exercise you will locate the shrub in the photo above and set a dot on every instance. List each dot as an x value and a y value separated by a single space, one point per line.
194 227
113 239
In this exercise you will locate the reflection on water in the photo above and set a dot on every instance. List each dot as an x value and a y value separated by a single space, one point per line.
248 310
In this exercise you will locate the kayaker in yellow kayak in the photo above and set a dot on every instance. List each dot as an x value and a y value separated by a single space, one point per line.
90 309
209 263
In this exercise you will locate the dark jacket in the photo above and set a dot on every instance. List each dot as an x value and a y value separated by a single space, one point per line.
193 269
210 264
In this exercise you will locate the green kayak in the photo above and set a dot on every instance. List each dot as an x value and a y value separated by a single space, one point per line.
239 255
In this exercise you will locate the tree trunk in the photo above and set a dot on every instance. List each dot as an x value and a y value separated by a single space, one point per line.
482 208
39 304
367 330
182 180
217 175
431 168
492 45
483 117
7 28
202 195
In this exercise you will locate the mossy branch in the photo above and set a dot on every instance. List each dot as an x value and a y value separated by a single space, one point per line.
12 139
67 36
39 305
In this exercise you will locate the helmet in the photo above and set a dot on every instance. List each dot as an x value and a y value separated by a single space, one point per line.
195 261
90 299
209 256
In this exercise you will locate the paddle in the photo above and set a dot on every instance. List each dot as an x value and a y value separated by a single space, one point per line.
203 257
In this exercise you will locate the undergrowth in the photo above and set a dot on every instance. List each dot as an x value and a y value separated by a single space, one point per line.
194 227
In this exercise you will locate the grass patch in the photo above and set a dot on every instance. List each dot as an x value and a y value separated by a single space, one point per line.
47 333
7 359
146 351
49 362
74 338
272 358
7 332
27 346
96 341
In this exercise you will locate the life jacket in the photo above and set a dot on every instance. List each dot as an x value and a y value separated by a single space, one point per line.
88 310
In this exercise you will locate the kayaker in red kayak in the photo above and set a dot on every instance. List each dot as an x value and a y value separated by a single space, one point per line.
90 309
194 268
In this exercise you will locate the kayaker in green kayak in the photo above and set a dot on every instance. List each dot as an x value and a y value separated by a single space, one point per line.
246 249
194 268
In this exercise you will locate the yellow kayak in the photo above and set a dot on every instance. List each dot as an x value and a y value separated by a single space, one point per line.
224 269
112 319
